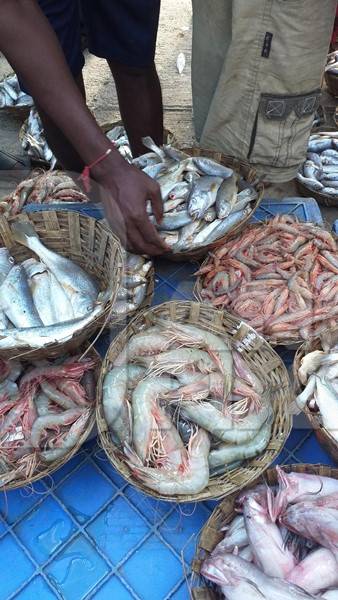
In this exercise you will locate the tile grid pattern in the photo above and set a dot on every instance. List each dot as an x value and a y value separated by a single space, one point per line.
84 533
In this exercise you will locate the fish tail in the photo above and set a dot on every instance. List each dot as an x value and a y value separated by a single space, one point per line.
24 233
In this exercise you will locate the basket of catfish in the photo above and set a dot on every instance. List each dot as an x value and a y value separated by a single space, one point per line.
214 196
315 371
250 555
318 176
60 274
47 411
279 276
192 403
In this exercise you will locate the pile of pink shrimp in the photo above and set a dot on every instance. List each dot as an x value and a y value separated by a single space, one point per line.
44 410
281 277
283 544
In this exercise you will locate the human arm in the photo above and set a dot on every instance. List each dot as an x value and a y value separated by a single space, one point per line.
31 47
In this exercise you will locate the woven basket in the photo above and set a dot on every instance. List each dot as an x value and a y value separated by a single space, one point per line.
87 242
250 176
50 468
21 112
323 436
321 198
118 320
224 514
293 343
261 358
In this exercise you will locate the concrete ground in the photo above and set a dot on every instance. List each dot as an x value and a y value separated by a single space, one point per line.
174 37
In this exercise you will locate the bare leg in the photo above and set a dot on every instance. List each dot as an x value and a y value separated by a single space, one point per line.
57 142
140 99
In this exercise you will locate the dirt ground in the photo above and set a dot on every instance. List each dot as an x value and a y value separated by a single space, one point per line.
174 37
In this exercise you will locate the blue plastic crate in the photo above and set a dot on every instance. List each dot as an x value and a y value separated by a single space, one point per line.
335 227
85 533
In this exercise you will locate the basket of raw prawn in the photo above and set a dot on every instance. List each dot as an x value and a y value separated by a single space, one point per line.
223 515
90 245
47 412
235 337
249 276
249 176
311 191
319 344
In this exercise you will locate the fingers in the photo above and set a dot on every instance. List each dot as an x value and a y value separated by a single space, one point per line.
155 198
138 243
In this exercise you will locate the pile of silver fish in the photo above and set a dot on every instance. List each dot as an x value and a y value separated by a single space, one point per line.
319 172
42 187
11 94
33 139
182 406
332 63
280 276
134 285
45 408
318 374
202 200
284 545
46 300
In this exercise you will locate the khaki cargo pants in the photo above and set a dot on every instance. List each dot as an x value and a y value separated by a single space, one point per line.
256 72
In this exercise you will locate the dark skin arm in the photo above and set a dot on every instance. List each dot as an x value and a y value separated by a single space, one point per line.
31 47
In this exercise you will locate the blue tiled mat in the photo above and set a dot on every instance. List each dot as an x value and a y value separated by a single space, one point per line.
85 533
335 227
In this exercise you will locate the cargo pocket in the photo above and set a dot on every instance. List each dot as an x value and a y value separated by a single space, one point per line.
281 129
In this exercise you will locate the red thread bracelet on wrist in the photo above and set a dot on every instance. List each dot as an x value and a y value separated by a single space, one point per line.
85 175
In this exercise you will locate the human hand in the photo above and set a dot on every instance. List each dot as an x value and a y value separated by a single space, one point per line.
126 191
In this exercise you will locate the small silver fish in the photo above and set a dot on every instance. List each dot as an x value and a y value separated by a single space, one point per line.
203 195
210 215
149 143
312 184
318 145
220 227
186 236
139 294
133 280
226 197
209 167
6 263
174 220
122 307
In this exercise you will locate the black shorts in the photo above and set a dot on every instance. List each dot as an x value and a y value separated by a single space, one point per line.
121 30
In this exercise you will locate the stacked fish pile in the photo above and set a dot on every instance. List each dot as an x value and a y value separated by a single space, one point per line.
284 544
46 300
11 95
319 173
182 406
46 410
202 199
42 187
136 280
280 277
33 139
318 375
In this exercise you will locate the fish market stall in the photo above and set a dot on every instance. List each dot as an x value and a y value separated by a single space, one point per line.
62 532
285 535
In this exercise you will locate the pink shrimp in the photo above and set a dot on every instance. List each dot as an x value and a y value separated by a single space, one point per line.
52 422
